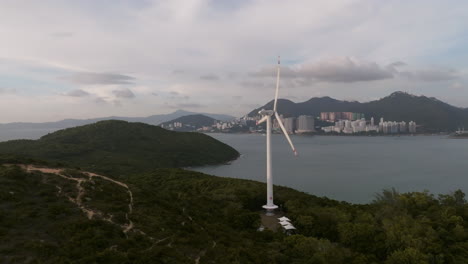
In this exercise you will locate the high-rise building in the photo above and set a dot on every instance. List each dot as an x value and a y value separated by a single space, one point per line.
334 116
402 127
412 127
276 124
324 116
305 124
289 124
394 127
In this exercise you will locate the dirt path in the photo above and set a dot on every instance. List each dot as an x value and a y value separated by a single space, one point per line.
90 213
271 221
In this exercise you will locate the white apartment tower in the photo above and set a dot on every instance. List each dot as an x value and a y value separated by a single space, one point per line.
305 124
289 124
412 127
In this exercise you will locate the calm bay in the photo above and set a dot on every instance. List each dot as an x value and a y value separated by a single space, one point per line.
351 168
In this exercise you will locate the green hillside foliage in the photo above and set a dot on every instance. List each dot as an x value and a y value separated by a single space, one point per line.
181 216
123 148
429 113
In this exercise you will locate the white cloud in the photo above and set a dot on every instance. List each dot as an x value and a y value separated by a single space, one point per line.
7 90
343 69
123 93
210 77
349 70
99 78
77 93
431 75
162 46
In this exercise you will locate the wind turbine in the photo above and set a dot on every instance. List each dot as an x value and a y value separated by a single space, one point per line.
267 114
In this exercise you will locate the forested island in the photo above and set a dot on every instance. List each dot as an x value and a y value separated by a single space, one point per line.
121 147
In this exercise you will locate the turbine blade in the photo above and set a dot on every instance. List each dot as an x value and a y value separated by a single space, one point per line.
277 84
264 118
280 122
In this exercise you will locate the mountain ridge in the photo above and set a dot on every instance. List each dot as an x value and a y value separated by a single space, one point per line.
432 114
191 122
152 119
10 130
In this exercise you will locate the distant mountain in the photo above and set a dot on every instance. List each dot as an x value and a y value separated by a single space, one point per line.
158 119
191 122
24 130
432 114
126 147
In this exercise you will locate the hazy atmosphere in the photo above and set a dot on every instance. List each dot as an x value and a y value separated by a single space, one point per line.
83 59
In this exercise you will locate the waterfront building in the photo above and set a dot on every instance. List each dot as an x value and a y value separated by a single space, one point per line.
361 125
412 127
276 124
334 116
305 124
403 127
394 126
385 127
289 124
347 115
324 116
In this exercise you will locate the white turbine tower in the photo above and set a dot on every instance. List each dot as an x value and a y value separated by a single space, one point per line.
267 114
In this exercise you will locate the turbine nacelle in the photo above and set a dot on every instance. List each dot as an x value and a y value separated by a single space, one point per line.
265 114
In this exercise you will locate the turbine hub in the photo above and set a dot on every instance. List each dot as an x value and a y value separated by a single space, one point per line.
264 112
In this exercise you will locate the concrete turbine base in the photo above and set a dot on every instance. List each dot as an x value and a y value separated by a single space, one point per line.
270 209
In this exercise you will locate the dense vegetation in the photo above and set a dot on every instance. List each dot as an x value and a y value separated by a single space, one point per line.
433 115
180 216
123 147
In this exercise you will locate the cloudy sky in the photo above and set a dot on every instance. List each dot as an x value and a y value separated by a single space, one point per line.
88 58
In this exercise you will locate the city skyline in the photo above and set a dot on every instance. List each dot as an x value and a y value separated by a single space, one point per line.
88 59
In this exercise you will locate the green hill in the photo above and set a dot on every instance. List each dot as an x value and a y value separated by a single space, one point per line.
431 114
123 147
180 216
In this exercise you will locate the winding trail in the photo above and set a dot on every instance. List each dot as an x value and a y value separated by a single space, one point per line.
94 213
90 213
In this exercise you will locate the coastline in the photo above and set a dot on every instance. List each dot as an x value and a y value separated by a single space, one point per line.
341 134
459 137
